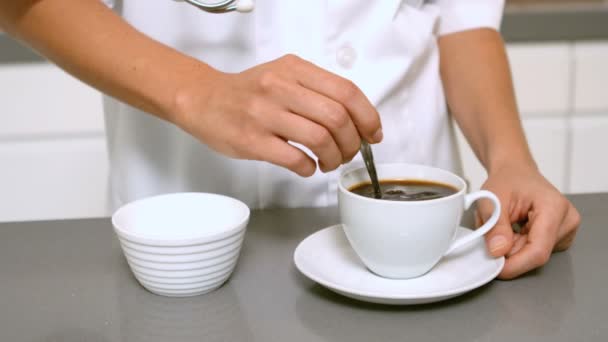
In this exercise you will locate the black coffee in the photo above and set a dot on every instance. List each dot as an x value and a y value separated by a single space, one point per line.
405 190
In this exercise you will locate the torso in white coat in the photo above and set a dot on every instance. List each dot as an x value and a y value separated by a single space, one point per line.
388 48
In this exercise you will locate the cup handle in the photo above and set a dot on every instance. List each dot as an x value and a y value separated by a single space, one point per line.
479 232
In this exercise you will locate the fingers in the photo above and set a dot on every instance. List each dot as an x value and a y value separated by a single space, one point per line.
565 242
279 152
500 239
519 241
568 229
540 240
314 136
362 112
287 100
327 113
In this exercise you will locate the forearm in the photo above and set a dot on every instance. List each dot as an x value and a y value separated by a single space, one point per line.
97 46
479 92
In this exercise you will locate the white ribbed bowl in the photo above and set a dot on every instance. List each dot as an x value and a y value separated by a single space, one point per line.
180 250
182 293
186 280
213 280
182 258
231 255
182 244
198 287
182 274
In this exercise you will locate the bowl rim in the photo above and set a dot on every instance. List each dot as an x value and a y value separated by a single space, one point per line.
174 250
181 240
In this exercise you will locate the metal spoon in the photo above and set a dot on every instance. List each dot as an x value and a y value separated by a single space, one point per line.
368 158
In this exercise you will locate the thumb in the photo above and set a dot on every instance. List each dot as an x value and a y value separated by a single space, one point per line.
499 240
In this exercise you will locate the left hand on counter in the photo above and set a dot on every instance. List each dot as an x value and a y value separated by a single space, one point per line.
549 221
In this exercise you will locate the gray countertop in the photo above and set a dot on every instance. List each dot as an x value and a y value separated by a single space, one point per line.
68 281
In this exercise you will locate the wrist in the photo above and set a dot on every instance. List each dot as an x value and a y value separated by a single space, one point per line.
192 89
511 158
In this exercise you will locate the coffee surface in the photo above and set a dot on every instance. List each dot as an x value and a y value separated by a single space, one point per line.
405 190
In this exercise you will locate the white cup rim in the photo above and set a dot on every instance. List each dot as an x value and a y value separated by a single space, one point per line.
203 237
461 189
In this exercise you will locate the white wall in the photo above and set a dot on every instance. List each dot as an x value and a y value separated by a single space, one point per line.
53 161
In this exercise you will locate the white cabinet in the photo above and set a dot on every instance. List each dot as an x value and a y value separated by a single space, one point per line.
38 99
547 138
542 77
53 161
54 178
589 166
562 92
591 77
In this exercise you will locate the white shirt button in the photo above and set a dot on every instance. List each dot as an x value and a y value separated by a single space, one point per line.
346 56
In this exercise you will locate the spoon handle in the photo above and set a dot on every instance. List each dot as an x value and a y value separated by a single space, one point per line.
368 158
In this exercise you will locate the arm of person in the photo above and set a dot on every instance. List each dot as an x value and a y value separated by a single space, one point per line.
268 105
479 92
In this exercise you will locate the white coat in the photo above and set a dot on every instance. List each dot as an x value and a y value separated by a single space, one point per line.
387 47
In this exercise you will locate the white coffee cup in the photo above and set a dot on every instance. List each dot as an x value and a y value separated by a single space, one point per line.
405 239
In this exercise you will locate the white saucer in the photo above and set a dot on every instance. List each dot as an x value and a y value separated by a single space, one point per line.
327 258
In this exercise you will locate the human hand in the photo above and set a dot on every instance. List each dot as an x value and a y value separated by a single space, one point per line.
255 113
549 222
